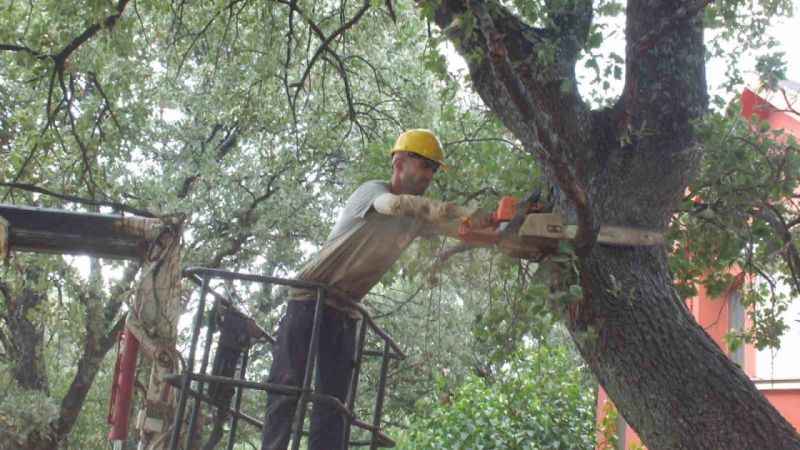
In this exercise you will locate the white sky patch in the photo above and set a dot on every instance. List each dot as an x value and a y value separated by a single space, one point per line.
171 115
787 31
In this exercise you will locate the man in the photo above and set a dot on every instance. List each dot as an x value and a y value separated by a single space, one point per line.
378 222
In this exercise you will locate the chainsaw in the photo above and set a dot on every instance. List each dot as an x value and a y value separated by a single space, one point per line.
549 226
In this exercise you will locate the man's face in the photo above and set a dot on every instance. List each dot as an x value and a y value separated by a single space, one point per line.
415 173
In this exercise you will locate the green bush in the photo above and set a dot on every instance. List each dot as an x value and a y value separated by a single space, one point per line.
539 400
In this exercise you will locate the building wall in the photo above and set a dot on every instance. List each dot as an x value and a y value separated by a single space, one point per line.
785 396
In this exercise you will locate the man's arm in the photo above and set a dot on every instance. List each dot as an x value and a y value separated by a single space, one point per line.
445 217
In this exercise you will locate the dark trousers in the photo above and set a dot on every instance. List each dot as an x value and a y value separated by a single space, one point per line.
334 370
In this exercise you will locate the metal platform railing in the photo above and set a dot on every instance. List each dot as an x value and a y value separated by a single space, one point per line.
217 390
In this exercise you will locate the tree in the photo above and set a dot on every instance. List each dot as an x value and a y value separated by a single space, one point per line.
250 118
628 164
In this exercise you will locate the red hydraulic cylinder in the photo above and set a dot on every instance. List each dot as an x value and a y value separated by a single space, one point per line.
122 388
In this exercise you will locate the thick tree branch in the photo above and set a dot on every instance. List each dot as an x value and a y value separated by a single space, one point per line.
682 14
548 142
571 22
390 8
61 57
26 333
659 104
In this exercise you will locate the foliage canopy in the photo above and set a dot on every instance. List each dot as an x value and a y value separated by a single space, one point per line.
253 120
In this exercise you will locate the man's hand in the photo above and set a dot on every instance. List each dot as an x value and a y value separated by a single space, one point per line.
450 211
479 219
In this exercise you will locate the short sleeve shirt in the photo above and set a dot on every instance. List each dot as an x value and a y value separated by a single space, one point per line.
361 247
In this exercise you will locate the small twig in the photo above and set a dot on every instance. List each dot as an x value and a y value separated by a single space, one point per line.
96 82
289 38
23 49
69 96
326 41
448 253
84 201
789 105
348 92
791 255
399 305
196 38
390 8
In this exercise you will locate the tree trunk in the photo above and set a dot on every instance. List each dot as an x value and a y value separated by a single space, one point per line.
627 165
671 382
26 336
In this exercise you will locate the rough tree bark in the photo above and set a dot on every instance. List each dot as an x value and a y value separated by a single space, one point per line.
25 340
626 165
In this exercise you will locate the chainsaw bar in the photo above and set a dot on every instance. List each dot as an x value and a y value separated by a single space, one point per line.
552 226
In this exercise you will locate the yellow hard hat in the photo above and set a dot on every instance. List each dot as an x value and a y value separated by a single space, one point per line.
421 142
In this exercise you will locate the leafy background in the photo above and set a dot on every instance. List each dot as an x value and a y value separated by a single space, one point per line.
234 115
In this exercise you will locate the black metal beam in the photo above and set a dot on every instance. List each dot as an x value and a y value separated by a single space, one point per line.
46 230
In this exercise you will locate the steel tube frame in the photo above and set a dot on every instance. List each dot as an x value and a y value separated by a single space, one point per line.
304 393
353 389
228 275
178 420
238 403
175 380
251 420
376 418
211 328
289 391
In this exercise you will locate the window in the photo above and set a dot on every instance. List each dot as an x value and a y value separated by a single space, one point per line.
783 364
736 316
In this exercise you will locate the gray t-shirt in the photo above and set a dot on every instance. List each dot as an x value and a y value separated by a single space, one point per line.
361 247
